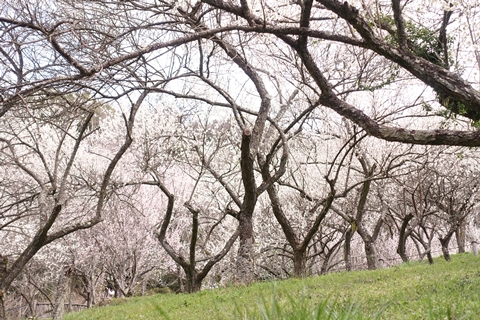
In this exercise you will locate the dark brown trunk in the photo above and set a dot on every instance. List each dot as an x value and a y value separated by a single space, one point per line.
371 254
429 257
299 263
190 271
444 242
370 251
446 253
347 249
246 252
193 283
402 239
193 286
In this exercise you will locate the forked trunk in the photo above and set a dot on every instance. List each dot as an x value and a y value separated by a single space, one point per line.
444 242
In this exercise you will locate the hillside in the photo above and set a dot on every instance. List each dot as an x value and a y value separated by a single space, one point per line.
445 290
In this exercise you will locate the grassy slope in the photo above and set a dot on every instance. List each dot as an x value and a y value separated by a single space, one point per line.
410 291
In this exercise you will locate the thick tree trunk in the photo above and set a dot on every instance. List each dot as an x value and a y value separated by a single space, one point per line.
446 253
370 250
347 249
444 242
193 283
246 252
368 240
430 257
402 239
371 253
193 286
299 263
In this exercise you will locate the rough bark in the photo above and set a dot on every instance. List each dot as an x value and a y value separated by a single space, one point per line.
445 251
433 75
299 263
402 238
368 239
430 257
193 283
246 253
437 77
444 241
371 254
428 137
347 247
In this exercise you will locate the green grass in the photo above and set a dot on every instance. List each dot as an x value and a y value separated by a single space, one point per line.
445 290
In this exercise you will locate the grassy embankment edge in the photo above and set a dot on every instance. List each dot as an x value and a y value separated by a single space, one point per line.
417 290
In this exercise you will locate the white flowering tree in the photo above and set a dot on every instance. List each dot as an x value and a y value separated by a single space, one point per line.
41 153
